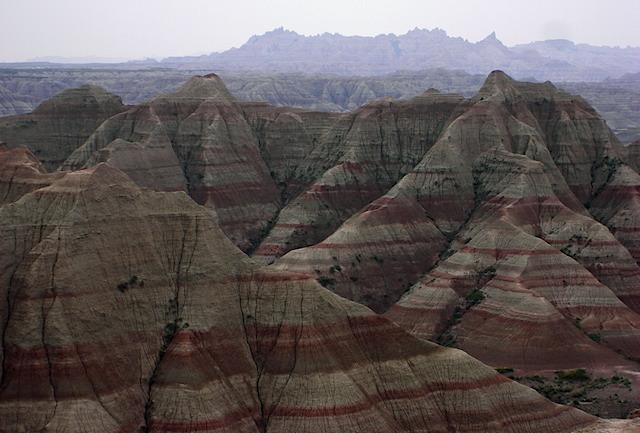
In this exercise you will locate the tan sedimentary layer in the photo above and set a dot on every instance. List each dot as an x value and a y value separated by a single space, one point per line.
533 293
197 140
358 159
618 206
61 124
128 310
375 255
21 173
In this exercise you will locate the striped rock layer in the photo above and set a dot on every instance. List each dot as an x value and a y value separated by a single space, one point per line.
355 161
507 217
21 173
515 276
618 206
128 310
195 140
493 239
60 125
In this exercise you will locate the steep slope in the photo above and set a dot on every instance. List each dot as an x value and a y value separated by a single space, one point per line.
197 140
356 161
509 216
12 103
441 184
526 263
375 255
21 173
128 310
618 207
508 281
61 124
634 154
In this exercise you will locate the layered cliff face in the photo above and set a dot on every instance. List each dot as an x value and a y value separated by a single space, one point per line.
61 124
515 276
491 234
128 310
634 154
196 140
509 218
21 173
354 162
618 206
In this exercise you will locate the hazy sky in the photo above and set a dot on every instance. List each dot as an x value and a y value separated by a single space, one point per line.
135 29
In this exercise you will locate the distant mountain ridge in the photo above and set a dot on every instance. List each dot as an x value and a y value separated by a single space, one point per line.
331 72
287 51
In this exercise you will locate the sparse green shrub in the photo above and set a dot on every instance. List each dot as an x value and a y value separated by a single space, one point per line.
568 251
575 386
445 254
449 236
535 378
133 281
595 336
335 268
260 236
474 297
325 281
579 394
579 374
446 339
578 322
548 391
488 272
621 380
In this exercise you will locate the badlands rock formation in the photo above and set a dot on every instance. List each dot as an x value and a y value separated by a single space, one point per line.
504 224
60 125
357 160
21 173
129 310
23 88
497 205
196 140
618 206
634 154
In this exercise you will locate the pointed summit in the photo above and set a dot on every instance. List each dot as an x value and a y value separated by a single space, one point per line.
206 87
498 87
499 77
99 179
491 40
491 37
21 173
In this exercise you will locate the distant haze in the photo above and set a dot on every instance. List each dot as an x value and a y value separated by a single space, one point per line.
121 29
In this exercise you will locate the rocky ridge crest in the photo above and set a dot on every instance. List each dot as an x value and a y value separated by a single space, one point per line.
287 51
